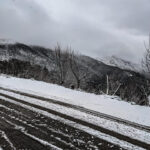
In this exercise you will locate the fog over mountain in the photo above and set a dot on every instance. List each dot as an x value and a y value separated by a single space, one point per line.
121 63
93 27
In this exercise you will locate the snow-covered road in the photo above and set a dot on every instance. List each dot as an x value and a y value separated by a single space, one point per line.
67 124
27 127
112 132
110 105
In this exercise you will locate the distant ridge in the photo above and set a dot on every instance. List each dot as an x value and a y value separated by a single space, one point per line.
121 63
7 41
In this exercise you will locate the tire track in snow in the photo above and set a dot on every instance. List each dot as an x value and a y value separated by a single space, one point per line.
6 142
17 137
59 126
90 125
82 109
33 131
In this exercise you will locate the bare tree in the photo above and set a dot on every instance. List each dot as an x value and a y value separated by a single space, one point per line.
107 89
146 60
118 87
61 59
112 86
146 69
75 68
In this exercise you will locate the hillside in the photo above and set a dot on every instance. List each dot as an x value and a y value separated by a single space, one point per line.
100 103
121 63
53 117
39 63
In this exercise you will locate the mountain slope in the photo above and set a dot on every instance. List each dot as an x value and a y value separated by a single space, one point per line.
121 63
39 63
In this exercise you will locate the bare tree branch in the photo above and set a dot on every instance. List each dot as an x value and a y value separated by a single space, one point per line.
117 89
146 59
76 68
107 89
61 59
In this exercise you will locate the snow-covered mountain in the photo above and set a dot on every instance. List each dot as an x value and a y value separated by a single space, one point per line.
121 63
10 49
39 63
6 41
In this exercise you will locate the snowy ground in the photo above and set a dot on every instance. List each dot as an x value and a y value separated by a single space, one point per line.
108 124
110 105
102 103
92 132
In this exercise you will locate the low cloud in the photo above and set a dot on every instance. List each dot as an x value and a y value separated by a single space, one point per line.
93 27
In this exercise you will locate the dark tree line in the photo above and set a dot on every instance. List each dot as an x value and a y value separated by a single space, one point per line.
24 69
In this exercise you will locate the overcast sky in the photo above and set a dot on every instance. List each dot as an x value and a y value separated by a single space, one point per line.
93 27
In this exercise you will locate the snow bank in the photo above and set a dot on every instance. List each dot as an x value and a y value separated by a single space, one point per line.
102 103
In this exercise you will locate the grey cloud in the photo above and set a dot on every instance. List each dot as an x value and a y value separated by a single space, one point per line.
92 27
129 14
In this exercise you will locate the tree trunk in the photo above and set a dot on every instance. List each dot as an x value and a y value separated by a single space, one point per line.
107 89
78 84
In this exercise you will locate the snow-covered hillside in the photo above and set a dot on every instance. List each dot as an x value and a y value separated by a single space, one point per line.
40 63
102 103
121 63
7 41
